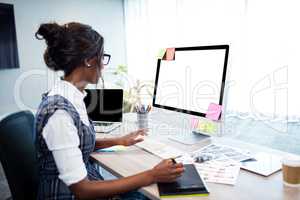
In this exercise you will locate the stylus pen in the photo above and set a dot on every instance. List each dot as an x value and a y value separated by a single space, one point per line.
173 159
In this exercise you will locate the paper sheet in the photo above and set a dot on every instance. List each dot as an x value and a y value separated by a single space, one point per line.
222 152
113 149
219 172
185 159
159 149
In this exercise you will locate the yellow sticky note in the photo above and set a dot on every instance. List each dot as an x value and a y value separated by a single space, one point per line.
202 126
161 53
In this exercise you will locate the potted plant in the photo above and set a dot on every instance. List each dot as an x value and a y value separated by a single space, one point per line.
135 90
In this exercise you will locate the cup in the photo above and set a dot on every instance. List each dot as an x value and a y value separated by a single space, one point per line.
142 120
291 171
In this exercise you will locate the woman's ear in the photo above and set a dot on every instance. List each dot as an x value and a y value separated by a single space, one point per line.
87 64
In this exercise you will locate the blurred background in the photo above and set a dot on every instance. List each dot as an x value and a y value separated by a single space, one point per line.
261 94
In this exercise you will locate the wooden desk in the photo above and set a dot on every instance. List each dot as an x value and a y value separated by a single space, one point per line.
248 186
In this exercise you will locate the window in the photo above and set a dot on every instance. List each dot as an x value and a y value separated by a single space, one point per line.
8 42
262 94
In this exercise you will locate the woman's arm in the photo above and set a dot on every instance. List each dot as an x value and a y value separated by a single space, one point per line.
61 137
165 171
127 140
86 189
107 142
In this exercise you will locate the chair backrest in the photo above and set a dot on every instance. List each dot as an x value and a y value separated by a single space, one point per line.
18 155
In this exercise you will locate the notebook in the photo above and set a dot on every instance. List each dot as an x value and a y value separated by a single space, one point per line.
188 185
264 164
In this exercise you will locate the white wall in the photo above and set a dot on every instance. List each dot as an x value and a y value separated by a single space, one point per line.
26 84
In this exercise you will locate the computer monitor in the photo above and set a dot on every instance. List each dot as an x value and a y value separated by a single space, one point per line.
193 80
104 105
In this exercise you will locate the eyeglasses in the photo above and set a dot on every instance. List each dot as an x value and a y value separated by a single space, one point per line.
105 59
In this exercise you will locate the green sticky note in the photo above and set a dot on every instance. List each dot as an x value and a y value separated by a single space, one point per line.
211 127
161 53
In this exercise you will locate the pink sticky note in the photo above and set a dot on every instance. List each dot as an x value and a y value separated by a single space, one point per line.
214 111
170 54
200 125
194 123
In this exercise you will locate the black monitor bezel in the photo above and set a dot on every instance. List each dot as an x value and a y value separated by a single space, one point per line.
212 47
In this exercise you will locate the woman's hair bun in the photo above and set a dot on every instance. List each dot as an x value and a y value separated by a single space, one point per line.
51 32
69 45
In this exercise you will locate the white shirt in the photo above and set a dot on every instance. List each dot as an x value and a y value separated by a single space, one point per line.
61 135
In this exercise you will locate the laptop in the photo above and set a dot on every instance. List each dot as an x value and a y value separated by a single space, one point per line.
104 108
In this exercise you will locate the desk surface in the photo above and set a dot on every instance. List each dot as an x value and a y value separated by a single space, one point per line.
248 186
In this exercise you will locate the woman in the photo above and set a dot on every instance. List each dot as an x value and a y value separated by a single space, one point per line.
66 137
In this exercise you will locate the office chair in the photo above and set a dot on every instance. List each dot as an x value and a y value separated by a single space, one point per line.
17 154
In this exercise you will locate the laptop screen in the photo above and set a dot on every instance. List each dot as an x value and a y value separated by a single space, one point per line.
104 104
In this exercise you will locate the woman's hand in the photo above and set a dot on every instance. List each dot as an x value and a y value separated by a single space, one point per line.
132 138
167 171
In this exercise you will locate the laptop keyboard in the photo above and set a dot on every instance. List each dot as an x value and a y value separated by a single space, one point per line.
103 124
106 127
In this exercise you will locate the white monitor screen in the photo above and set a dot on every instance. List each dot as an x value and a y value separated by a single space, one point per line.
193 80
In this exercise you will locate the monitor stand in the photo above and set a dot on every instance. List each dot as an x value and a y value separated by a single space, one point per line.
191 138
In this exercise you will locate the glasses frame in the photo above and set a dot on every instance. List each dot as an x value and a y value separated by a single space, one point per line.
108 58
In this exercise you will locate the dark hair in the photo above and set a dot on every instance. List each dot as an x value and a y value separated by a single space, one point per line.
69 45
